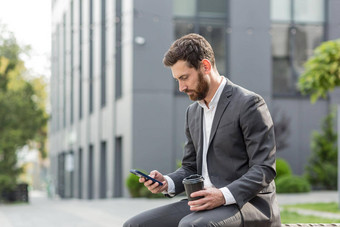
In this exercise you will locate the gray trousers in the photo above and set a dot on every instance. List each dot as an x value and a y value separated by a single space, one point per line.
179 214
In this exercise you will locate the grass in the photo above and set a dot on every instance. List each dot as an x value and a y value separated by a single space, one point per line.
325 207
288 217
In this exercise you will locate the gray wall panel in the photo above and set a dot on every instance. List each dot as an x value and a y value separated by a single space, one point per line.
304 119
153 23
181 105
249 13
249 46
152 133
333 19
152 87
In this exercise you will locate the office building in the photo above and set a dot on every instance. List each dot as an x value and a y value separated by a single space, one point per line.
115 106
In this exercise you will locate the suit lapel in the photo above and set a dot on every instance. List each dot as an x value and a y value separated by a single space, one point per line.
221 106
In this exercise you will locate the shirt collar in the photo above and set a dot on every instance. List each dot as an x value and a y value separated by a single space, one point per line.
216 97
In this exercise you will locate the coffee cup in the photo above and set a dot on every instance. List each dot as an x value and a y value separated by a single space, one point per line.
193 183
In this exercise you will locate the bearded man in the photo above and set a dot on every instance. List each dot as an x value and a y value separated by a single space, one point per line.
229 141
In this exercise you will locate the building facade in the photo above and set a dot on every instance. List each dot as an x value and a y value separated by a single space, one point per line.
114 106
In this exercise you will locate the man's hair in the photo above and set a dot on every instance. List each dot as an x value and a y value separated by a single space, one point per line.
192 48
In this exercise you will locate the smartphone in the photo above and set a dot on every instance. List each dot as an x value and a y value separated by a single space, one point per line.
140 174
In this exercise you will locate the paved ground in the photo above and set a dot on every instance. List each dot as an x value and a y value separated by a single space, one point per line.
41 212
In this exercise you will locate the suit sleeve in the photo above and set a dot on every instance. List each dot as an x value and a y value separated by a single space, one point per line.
189 165
258 135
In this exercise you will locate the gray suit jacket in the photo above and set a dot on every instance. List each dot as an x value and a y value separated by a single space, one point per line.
241 153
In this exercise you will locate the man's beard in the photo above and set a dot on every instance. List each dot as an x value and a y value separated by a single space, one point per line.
201 90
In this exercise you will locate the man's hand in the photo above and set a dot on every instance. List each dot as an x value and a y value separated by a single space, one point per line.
155 187
213 197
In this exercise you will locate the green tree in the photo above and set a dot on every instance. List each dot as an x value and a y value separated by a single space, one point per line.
322 169
23 118
322 71
322 74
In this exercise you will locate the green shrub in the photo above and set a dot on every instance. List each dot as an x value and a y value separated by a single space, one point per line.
137 189
292 184
133 185
322 167
144 192
282 168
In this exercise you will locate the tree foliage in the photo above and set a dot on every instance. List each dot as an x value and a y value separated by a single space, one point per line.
23 118
322 74
322 169
322 71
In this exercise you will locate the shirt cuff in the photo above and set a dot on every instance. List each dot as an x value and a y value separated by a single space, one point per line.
229 198
171 187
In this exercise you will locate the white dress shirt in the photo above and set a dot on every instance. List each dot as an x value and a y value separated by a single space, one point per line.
208 117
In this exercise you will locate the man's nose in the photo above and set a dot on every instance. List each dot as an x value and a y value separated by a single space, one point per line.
181 86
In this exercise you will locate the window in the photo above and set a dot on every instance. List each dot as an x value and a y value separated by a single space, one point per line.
297 28
184 8
69 168
103 55
183 27
80 173
214 33
72 64
208 18
64 70
55 80
118 167
118 41
215 8
103 170
80 59
90 172
61 174
91 82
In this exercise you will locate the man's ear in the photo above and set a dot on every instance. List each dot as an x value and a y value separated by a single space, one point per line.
206 66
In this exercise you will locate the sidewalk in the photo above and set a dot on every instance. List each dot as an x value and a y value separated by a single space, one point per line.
42 212
311 197
109 212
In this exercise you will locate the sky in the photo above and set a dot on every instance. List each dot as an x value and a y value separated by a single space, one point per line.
30 21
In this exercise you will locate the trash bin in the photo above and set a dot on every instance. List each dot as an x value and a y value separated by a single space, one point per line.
21 193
